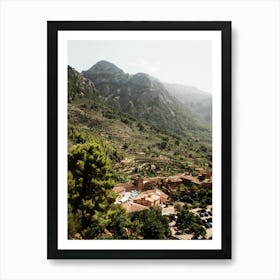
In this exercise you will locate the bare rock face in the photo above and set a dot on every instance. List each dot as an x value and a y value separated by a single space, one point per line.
79 86
142 80
105 71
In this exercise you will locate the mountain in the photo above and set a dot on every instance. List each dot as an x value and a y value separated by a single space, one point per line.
145 98
139 149
109 147
79 86
198 101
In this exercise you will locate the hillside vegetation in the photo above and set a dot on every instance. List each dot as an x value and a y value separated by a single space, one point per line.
122 127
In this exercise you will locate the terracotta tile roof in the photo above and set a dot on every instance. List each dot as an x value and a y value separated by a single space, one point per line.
156 193
125 186
118 189
149 199
161 193
133 207
155 197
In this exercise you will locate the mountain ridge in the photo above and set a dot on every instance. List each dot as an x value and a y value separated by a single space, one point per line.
143 97
194 99
138 145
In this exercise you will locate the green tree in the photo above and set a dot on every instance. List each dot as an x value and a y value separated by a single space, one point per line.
153 224
185 218
74 223
197 230
163 145
190 223
119 222
91 206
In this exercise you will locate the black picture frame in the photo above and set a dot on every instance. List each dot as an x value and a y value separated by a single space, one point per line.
53 27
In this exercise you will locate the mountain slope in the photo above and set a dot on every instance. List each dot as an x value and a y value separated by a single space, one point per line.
144 98
79 86
199 102
139 148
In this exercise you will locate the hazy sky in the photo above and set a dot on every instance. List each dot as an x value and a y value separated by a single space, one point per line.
185 62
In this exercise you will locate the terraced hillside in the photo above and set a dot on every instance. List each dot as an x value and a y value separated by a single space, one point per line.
141 149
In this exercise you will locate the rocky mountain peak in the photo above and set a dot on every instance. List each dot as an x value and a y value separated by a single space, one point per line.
142 96
141 79
104 66
104 71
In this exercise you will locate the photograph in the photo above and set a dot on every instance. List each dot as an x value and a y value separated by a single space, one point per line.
140 139
130 133
143 138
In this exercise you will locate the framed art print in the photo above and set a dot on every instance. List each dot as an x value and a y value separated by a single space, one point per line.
139 140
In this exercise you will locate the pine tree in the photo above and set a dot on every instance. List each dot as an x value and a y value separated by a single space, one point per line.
90 194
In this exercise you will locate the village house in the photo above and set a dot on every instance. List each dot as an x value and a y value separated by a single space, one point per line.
153 197
121 188
133 207
127 186
146 183
125 192
170 183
